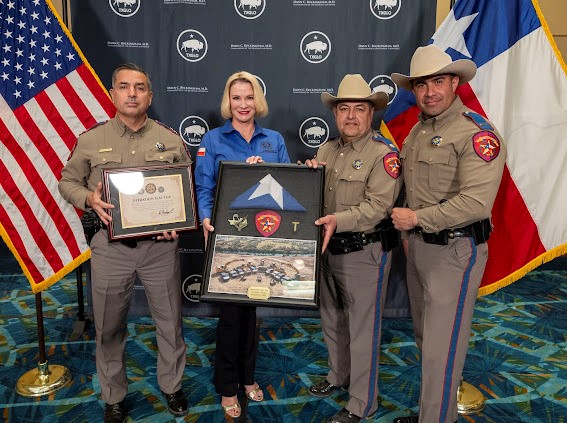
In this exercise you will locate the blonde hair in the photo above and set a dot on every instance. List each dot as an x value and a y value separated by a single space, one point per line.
259 100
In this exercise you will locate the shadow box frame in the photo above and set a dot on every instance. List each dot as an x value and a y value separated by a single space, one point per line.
242 263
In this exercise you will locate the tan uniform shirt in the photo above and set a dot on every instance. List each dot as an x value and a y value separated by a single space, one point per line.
113 144
440 163
358 189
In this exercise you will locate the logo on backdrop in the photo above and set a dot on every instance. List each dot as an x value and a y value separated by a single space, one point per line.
385 9
249 9
262 85
314 132
191 287
385 84
315 47
192 45
192 129
125 8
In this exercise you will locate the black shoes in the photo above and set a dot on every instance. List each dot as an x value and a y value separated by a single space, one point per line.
176 403
323 389
115 413
408 419
344 416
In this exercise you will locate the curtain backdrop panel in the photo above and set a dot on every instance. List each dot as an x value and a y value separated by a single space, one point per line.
297 49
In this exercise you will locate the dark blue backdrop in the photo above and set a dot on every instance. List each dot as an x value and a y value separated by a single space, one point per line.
297 49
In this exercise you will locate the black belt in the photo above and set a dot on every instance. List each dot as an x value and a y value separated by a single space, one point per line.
347 242
479 231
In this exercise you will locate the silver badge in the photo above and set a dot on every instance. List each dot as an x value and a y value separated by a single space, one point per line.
436 140
357 164
160 146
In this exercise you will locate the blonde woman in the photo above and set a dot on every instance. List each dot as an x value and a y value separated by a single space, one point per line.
240 139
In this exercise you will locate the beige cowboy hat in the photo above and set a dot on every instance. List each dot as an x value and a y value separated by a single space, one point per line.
353 87
431 60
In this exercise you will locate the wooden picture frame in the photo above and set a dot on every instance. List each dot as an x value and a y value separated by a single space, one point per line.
149 200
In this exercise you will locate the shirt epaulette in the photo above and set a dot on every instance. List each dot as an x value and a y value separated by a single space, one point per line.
386 141
166 127
94 126
479 120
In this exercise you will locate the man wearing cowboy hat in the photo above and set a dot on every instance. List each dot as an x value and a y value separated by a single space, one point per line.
361 184
453 160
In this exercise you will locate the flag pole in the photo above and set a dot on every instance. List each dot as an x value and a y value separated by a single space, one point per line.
46 379
80 324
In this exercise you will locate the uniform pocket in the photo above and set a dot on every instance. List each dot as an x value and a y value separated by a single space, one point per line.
106 158
160 156
351 187
438 166
462 250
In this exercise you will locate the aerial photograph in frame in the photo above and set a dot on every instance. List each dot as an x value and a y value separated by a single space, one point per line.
277 267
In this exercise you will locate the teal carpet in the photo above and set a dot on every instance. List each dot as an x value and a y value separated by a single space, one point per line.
517 358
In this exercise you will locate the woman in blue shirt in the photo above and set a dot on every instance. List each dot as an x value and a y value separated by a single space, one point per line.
240 139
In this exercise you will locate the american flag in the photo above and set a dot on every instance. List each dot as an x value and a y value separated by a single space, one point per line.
48 96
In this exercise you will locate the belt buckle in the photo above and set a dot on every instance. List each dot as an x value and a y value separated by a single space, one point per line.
456 233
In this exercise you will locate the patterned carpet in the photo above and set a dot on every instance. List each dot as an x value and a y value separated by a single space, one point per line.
518 358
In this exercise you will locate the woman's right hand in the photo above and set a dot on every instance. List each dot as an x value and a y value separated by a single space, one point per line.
254 159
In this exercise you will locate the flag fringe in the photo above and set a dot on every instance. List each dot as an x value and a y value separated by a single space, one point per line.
68 268
533 264
79 51
46 283
549 35
19 259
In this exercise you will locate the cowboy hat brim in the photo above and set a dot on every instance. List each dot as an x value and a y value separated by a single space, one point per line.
378 99
465 69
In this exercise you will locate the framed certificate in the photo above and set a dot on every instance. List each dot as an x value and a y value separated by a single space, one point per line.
265 248
149 200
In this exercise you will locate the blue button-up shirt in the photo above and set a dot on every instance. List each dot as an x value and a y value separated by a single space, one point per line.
226 144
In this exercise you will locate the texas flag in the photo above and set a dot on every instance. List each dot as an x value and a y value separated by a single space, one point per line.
521 87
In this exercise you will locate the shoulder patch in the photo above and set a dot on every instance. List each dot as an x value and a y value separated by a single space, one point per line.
479 120
384 140
392 164
166 127
486 145
96 125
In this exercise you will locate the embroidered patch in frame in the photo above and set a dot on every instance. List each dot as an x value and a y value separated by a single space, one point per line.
267 222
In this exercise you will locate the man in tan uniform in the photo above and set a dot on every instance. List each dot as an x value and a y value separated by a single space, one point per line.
361 184
453 160
129 139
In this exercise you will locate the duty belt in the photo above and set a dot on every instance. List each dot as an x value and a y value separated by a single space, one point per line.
479 231
92 224
348 242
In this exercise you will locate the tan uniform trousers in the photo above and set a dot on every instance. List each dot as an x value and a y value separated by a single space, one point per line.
353 291
114 267
443 282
